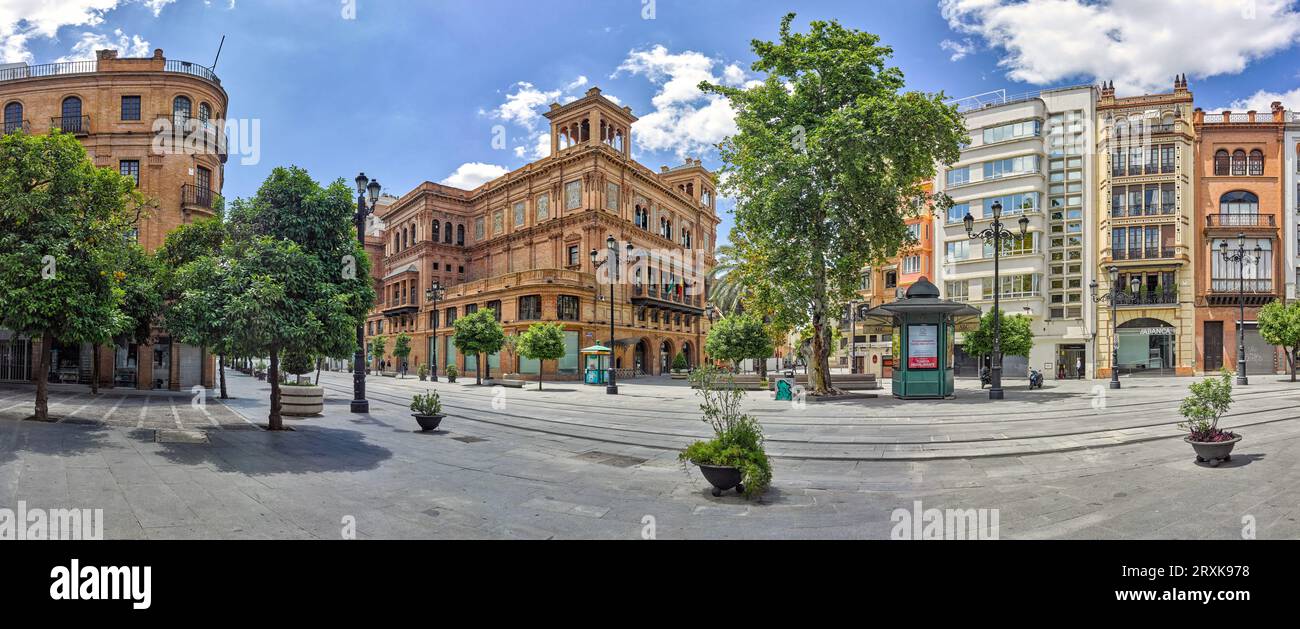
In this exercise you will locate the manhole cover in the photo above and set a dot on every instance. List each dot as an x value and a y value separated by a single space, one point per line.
180 436
613 460
469 439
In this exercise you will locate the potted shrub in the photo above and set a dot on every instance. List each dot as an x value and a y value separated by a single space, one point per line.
423 372
734 457
452 372
260 370
679 367
1207 402
427 410
299 398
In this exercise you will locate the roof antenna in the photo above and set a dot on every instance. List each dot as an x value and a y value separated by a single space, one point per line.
219 47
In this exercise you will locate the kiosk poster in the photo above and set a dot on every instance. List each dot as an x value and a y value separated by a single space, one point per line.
922 347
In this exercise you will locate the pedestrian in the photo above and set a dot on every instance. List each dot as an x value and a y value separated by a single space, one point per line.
1079 367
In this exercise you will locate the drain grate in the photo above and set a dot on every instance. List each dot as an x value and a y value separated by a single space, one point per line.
610 459
468 439
180 436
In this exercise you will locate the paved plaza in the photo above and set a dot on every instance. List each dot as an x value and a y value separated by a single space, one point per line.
1073 460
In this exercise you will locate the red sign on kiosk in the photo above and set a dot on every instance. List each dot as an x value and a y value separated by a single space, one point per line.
923 346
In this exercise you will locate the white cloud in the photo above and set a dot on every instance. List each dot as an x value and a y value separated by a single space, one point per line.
959 50
125 45
156 5
685 120
1263 100
541 147
23 20
471 175
521 106
1139 44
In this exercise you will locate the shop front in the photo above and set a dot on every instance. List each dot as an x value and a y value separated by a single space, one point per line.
1147 347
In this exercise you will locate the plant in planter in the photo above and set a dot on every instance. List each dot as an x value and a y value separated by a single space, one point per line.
735 457
680 365
427 410
423 372
260 370
1207 402
452 372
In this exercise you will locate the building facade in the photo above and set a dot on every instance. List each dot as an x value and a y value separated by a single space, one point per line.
120 109
1241 200
520 245
1291 190
1031 154
1146 190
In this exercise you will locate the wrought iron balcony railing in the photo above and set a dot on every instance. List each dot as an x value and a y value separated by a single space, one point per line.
1235 285
1147 298
1240 220
197 196
17 126
1143 253
76 125
91 66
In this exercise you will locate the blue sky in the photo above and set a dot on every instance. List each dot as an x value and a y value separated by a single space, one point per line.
414 90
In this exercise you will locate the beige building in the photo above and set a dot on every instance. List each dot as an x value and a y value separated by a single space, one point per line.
123 111
521 244
1146 188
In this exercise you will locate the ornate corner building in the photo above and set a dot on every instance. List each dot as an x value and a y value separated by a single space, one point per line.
1241 163
1146 191
116 108
520 245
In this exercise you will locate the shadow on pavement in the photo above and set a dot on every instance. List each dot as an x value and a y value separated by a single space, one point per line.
65 440
307 450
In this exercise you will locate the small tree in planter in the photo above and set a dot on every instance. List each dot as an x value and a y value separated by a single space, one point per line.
423 372
401 351
260 370
298 364
735 457
1207 402
479 333
452 372
541 342
427 410
679 362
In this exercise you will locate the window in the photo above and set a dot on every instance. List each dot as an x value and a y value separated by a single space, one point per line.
611 196
574 260
13 117
958 176
914 230
460 270
566 308
1256 163
1011 167
957 213
495 307
891 279
530 308
958 250
519 214
686 237
1221 162
205 114
1012 204
1238 163
130 168
1019 285
642 217
71 120
573 195
446 236
958 291
478 230
498 223
130 108
451 316
182 110
1026 129
436 232
460 235
912 264
471 309
1018 245
543 208
1238 209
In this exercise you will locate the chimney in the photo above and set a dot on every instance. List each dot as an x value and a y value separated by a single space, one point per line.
1279 112
102 55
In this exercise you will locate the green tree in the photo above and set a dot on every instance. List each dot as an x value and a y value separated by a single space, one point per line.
1017 336
63 245
298 364
1279 324
378 348
828 163
189 260
142 300
737 337
726 292
295 277
401 350
541 342
478 333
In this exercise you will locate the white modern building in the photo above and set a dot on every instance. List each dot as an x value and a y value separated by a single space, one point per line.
1033 154
1291 234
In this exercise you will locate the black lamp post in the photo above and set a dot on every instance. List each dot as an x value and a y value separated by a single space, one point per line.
611 386
1113 296
434 294
367 194
1239 256
995 234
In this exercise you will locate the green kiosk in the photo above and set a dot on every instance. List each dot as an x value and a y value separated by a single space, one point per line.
923 329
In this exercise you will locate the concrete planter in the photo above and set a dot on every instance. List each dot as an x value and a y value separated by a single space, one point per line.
1213 452
302 401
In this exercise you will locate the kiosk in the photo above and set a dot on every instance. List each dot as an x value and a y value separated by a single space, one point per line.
923 328
594 364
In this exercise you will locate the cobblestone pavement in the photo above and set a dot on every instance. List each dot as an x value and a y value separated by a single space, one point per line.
1071 461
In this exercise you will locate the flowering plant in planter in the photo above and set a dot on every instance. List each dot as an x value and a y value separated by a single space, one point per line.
738 438
428 404
1207 402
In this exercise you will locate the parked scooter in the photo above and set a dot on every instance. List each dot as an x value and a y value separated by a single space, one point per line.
1035 379
986 377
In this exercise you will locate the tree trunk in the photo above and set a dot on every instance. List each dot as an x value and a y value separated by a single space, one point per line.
478 369
819 367
221 372
274 421
487 370
318 361
94 368
43 378
1295 355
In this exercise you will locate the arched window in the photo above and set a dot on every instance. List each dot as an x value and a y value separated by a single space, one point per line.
1238 209
446 236
182 110
1238 163
397 243
1256 163
436 231
1221 162
403 238
205 114
13 117
71 112
460 235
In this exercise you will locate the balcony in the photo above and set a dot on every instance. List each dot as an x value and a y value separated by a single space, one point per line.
1226 291
1126 299
1241 220
1144 253
402 306
197 197
76 125
654 296
17 126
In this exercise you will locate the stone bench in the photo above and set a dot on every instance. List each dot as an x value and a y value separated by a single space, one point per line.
506 382
855 382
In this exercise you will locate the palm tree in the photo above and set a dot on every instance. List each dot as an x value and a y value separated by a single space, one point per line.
726 291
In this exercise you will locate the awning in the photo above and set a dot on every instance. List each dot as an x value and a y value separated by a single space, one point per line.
595 349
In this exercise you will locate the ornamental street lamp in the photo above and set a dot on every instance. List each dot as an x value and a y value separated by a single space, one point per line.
434 294
1239 256
995 234
367 195
1113 296
611 386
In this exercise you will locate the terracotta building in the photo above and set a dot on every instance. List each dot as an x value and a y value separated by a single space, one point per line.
1241 194
520 245
1147 228
123 111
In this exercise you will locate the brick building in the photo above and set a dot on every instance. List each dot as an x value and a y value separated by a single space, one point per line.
117 109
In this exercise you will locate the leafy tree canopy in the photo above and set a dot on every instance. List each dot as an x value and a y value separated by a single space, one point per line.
1017 336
